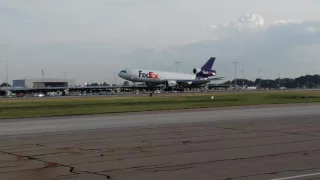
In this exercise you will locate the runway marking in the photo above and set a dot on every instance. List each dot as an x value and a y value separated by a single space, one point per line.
295 177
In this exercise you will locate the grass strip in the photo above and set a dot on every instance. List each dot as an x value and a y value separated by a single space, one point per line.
43 107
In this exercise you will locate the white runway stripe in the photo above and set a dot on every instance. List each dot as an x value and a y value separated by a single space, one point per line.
296 177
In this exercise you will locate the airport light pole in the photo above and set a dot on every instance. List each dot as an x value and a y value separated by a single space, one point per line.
253 80
279 76
307 80
235 73
65 79
177 65
259 77
42 72
7 81
242 70
115 78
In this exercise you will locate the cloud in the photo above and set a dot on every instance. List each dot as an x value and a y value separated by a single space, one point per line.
254 26
253 23
277 47
313 30
285 22
246 22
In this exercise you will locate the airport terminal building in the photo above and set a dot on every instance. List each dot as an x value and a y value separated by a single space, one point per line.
42 83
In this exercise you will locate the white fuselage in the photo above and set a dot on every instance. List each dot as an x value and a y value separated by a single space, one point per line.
153 76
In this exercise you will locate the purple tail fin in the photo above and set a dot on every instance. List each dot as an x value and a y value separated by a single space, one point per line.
208 65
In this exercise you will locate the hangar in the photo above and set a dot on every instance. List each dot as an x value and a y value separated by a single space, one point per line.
41 83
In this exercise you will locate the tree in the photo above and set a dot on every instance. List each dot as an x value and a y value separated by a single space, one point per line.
126 83
309 81
105 84
94 84
5 85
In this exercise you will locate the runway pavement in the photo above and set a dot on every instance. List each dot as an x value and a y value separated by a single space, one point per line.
258 142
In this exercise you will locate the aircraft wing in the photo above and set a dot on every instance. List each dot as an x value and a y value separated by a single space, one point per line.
216 78
196 81
190 81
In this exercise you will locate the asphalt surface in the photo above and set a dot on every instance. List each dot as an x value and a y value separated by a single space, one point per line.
265 142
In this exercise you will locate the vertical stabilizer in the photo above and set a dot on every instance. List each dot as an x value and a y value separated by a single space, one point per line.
208 65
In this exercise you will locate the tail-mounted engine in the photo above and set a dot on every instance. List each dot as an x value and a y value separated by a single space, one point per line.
204 72
196 70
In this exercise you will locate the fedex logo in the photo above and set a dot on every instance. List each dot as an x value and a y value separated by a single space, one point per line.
209 73
148 75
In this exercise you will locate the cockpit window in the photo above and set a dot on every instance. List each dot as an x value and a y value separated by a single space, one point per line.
123 71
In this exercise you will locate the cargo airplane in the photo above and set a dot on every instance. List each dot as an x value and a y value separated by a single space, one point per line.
200 76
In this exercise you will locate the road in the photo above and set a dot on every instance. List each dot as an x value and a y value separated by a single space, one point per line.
258 142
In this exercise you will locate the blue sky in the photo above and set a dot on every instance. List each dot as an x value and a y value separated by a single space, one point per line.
90 40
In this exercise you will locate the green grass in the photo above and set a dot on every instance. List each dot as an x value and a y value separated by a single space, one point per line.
19 108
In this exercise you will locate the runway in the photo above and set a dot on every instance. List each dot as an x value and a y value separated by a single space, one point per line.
258 142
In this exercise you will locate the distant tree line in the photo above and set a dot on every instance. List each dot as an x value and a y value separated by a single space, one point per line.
308 81
126 83
97 84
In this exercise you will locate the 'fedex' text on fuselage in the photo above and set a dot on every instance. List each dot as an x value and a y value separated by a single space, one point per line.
148 75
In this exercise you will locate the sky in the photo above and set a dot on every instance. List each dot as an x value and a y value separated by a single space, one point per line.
91 41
